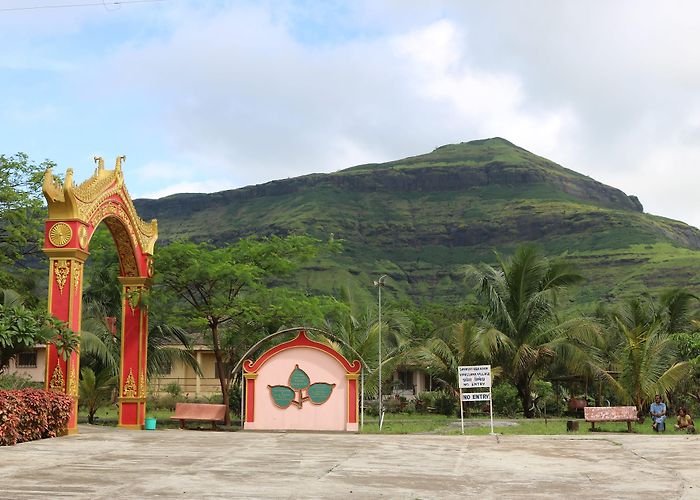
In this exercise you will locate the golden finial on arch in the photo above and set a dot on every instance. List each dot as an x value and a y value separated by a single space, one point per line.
100 162
118 164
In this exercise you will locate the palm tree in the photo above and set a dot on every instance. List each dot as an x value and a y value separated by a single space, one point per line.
359 329
462 344
99 348
644 361
526 334
95 390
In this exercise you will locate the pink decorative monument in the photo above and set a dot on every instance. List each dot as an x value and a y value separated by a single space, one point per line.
301 385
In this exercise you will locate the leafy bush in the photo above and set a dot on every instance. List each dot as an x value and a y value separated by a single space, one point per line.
446 403
166 402
442 401
217 399
392 405
505 400
425 401
547 400
30 414
410 408
372 408
234 398
174 389
9 381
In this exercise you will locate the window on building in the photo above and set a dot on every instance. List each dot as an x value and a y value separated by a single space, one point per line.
26 359
406 380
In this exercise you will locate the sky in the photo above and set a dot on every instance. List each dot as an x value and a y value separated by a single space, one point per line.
203 96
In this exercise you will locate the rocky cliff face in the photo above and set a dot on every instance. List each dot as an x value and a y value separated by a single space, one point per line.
429 214
415 180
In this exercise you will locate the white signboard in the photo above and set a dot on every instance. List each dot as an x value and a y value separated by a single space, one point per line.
474 376
469 378
476 396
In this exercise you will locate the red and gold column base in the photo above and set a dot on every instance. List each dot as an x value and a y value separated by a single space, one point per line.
132 413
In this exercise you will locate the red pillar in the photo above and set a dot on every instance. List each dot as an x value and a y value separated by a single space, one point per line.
250 396
134 340
66 261
352 424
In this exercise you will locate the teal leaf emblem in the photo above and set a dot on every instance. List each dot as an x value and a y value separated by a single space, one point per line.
320 392
282 395
299 380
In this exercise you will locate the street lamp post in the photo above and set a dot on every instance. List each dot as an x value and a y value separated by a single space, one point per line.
380 284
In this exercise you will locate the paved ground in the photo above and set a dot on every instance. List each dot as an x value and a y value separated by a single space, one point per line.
112 463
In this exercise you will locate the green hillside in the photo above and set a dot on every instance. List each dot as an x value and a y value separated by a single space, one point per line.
422 218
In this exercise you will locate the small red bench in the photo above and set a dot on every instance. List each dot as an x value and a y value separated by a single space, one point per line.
595 414
200 412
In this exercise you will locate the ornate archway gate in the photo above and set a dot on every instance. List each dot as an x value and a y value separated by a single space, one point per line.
74 214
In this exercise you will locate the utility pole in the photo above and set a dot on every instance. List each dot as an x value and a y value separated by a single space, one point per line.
380 284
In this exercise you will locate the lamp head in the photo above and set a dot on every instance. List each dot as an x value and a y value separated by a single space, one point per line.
380 281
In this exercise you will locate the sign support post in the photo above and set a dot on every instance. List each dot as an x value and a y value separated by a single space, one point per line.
491 409
461 408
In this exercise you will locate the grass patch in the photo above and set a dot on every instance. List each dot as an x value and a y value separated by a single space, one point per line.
402 423
439 424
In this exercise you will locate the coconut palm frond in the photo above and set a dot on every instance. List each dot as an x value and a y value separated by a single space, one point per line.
104 348
672 377
10 298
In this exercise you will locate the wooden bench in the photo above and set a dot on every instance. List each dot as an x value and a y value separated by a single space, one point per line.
595 414
200 412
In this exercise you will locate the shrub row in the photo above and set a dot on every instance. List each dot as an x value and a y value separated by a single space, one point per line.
29 414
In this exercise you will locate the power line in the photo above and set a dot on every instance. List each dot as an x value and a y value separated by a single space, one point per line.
104 3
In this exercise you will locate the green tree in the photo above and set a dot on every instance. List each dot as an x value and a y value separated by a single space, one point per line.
211 287
356 332
22 212
101 271
462 344
100 348
689 350
521 296
643 360
95 390
22 328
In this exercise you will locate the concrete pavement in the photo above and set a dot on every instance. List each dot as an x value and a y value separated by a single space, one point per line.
104 462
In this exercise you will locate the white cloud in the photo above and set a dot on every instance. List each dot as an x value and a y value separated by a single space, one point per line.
208 186
245 93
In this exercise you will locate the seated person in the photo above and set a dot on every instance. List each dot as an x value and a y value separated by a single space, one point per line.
685 421
658 414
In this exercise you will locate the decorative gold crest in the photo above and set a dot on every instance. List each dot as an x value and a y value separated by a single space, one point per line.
56 383
86 202
72 383
130 386
76 274
142 385
61 268
60 234
82 237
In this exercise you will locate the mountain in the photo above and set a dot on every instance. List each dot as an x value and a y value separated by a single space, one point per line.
421 219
